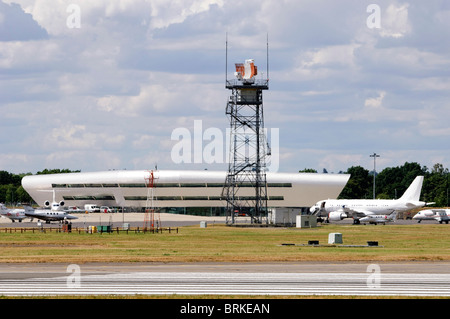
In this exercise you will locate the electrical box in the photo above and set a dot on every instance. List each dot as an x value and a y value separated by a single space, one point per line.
335 238
306 221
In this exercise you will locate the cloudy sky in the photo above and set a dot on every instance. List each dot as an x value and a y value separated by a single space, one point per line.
98 85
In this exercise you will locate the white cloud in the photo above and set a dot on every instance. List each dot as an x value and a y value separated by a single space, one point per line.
17 162
395 21
77 137
375 102
22 55
330 56
97 159
334 162
155 14
164 13
16 25
137 69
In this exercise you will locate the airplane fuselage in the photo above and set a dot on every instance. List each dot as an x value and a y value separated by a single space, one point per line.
13 214
440 215
16 214
50 215
375 207
338 209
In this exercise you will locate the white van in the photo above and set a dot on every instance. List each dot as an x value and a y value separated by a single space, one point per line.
91 208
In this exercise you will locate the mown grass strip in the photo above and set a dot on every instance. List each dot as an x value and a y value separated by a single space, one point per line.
425 242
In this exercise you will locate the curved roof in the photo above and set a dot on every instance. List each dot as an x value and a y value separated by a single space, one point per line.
176 188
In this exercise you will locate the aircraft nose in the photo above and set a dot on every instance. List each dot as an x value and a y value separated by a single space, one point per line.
313 209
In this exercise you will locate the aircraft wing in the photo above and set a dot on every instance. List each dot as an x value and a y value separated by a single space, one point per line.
32 214
360 213
357 213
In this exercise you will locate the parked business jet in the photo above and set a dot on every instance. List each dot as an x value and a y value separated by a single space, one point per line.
441 215
49 215
338 209
13 214
378 219
55 212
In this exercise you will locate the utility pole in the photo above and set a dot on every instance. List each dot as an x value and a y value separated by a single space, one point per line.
374 155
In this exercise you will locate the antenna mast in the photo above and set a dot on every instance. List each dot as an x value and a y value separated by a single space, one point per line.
149 217
226 58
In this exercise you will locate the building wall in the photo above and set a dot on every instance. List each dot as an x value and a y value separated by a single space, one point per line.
176 188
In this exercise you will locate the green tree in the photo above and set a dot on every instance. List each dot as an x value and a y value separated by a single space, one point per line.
392 182
11 190
8 185
435 186
358 185
7 178
22 196
56 171
308 170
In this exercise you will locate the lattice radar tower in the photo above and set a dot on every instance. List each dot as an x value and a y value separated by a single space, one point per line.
245 188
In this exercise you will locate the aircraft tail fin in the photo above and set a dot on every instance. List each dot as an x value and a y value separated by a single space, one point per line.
414 190
28 208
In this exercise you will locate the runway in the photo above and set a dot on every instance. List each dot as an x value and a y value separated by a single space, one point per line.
285 279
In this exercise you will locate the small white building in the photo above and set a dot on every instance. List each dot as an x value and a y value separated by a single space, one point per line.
283 216
306 221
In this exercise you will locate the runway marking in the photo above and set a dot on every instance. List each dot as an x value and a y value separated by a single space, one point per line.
187 283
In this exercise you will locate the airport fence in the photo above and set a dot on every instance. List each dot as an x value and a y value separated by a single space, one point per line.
89 230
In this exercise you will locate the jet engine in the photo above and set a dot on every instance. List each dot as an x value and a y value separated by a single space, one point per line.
54 205
336 216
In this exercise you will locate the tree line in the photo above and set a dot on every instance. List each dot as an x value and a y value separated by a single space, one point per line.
390 183
11 190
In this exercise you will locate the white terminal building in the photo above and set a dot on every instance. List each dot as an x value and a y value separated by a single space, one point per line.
185 192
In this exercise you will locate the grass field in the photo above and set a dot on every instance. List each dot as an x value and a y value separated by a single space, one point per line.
424 242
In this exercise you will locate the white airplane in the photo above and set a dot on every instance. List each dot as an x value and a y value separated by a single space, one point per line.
55 213
378 219
49 215
441 215
338 209
13 214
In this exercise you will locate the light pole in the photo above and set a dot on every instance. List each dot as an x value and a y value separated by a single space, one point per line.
374 155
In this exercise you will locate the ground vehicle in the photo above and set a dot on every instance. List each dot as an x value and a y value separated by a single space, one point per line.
74 209
105 209
91 208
